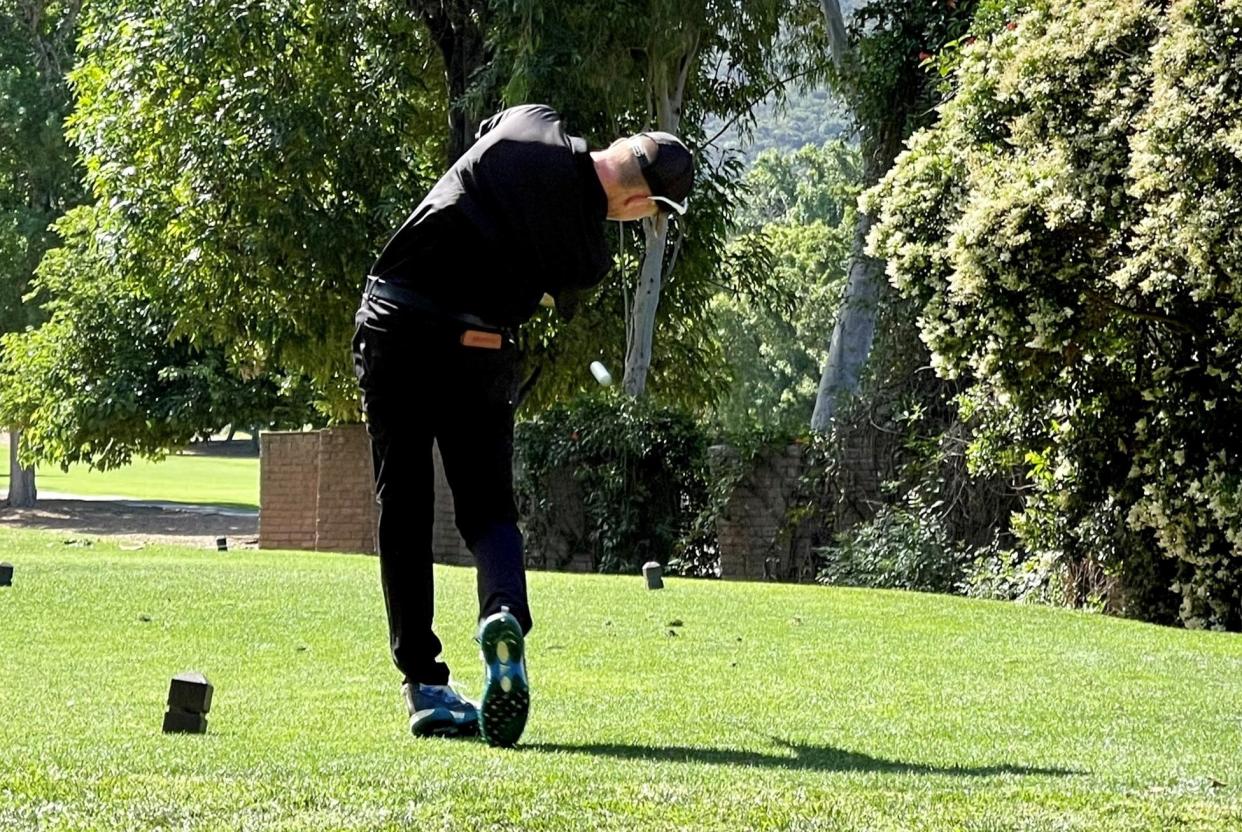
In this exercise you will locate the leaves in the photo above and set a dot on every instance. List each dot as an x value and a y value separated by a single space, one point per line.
1065 231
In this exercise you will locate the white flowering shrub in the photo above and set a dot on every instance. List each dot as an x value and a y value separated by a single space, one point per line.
1071 234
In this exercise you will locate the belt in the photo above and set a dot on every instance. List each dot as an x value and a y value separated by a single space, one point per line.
407 298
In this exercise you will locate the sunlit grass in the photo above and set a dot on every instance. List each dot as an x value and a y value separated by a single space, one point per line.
705 706
179 478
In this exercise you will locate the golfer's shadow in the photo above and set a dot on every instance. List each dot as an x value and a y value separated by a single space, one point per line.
800 757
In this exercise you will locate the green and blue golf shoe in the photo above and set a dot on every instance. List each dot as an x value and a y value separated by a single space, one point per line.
506 690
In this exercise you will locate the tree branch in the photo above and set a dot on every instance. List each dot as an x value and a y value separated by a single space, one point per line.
1154 317
751 104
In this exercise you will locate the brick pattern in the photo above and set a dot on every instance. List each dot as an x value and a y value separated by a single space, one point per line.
317 493
346 510
758 540
446 543
288 489
561 541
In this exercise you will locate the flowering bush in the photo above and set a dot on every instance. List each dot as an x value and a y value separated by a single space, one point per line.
1071 232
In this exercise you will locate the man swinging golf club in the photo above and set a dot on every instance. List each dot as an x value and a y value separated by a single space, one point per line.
519 216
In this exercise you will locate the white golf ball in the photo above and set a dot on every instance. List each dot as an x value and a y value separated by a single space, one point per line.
601 373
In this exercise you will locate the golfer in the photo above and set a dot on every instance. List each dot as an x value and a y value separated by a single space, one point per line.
519 216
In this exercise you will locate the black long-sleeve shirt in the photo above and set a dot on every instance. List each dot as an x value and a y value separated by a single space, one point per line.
519 214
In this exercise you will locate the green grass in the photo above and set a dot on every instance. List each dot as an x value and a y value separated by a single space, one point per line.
180 478
774 707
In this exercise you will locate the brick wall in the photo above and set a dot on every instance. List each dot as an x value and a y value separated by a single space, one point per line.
446 542
288 489
756 538
316 492
760 539
346 510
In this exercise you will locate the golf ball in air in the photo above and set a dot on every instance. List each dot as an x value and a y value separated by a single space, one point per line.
601 373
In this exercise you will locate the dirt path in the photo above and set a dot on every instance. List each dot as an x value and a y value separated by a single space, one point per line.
137 523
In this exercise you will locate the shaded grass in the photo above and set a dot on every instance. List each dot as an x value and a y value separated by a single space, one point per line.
180 478
772 706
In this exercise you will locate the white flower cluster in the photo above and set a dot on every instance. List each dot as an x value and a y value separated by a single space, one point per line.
1071 230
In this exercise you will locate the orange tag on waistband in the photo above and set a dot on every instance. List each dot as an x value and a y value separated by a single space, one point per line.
482 340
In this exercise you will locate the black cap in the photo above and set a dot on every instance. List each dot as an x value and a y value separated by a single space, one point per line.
671 173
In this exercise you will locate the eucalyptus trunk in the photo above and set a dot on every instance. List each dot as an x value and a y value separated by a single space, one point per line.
22 491
853 332
640 329
668 90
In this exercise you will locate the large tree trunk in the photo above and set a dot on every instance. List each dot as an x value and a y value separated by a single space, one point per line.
853 332
838 43
668 89
22 491
459 28
640 329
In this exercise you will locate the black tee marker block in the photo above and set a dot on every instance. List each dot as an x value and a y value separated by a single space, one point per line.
654 573
6 574
189 700
183 722
190 692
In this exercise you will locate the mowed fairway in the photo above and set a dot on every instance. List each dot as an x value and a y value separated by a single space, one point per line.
767 707
179 478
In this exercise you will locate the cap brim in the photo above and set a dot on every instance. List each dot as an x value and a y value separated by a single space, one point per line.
679 207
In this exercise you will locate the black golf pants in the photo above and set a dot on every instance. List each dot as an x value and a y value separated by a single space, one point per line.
420 383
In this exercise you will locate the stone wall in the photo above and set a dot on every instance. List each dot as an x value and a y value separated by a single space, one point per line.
316 492
757 539
766 532
446 543
345 507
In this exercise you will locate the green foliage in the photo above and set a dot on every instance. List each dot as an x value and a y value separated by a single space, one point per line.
814 183
601 64
257 155
800 208
38 180
897 549
887 81
1067 232
639 478
102 380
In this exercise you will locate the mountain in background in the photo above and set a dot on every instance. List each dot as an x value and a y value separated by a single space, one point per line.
808 116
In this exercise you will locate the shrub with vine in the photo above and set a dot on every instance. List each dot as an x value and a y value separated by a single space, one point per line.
640 471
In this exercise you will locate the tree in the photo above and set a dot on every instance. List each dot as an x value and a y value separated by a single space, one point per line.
460 30
37 177
1066 233
879 71
256 156
617 68
103 380
800 205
